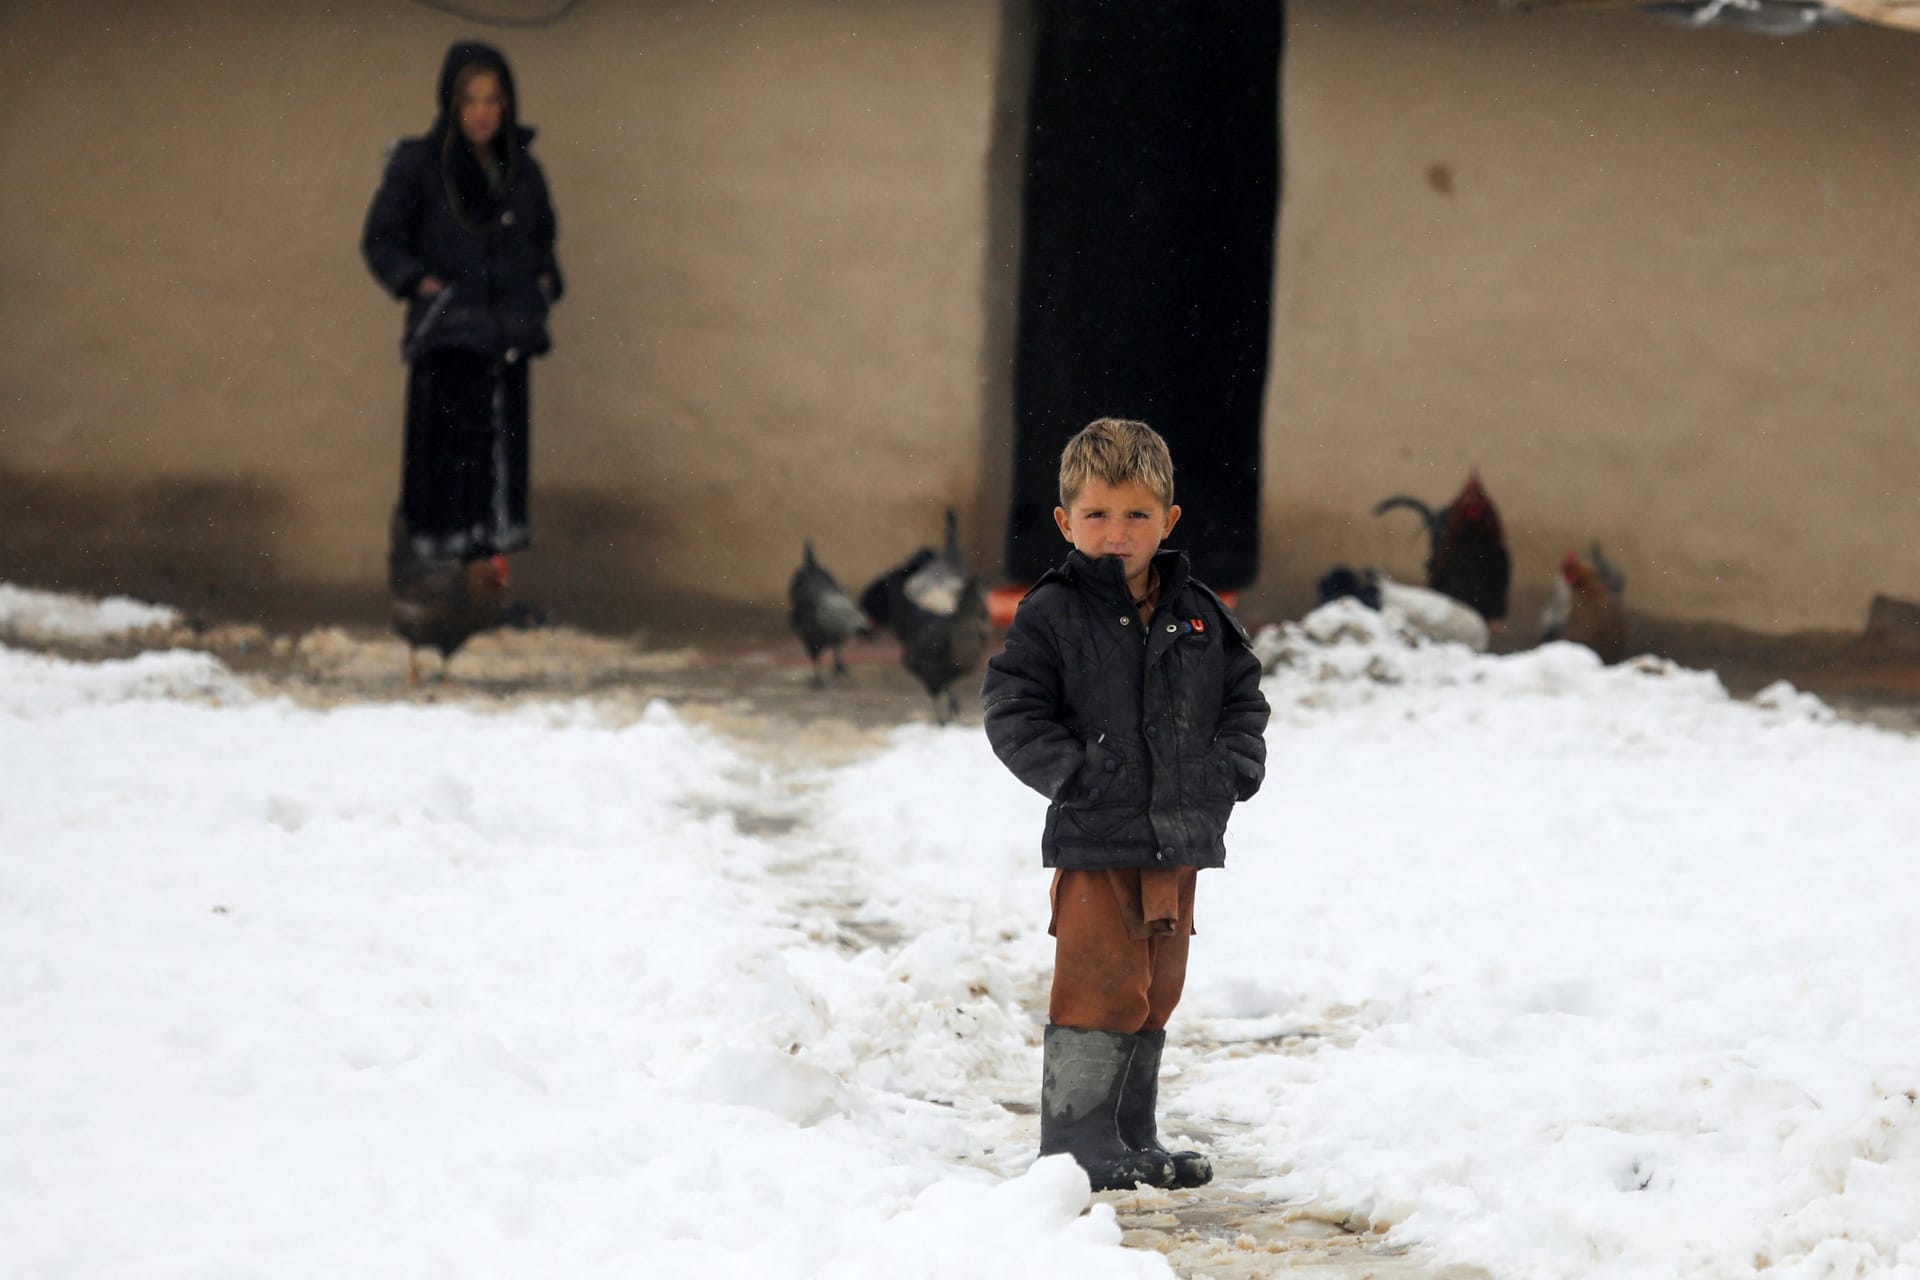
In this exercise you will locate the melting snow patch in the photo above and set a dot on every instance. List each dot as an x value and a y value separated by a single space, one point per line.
41 617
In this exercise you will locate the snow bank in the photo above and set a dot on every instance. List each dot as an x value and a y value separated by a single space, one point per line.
41 617
32 685
1610 962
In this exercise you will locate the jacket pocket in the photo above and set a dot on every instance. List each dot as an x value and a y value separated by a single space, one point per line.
1217 776
1108 793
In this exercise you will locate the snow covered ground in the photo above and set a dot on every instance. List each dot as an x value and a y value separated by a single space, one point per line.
1546 968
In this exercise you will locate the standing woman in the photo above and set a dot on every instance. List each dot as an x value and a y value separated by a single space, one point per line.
462 230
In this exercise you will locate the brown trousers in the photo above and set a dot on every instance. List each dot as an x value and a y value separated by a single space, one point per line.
1120 964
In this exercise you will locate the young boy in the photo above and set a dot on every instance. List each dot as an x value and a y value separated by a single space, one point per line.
1129 696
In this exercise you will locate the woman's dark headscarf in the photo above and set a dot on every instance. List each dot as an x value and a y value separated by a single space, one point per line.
475 199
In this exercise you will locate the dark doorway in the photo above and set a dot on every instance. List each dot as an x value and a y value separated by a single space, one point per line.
1151 192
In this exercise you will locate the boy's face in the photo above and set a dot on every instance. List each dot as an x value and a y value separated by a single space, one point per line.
1123 520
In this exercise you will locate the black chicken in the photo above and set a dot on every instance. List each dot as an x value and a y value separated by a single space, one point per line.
939 612
1467 554
1344 583
441 603
822 615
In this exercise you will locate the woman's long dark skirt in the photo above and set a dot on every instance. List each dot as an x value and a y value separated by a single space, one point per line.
463 487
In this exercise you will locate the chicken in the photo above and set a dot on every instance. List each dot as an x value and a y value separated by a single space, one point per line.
941 648
939 612
932 580
1418 610
1553 617
1343 583
1467 552
442 603
1596 612
822 615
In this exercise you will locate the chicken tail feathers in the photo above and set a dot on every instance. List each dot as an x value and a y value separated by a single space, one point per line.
1435 521
1607 571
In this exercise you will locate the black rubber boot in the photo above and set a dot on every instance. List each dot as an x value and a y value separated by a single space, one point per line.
1080 1091
1138 1099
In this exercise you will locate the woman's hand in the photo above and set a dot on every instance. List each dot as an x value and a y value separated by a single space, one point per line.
428 286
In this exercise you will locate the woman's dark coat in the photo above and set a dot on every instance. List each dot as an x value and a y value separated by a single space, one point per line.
436 214
1142 736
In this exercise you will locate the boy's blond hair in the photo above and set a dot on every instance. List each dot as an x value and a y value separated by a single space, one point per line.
1116 451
